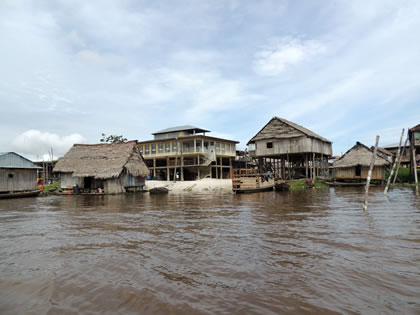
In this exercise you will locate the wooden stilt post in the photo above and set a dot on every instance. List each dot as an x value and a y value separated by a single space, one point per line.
313 167
399 160
283 168
167 170
393 164
176 160
182 168
306 165
372 163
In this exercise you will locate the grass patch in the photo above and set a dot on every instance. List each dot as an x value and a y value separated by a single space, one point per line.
297 184
300 184
404 175
51 186
320 184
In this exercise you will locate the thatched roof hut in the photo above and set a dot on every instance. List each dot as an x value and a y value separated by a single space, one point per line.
103 161
280 128
355 163
361 155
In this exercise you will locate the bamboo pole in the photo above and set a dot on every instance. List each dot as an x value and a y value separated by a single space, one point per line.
372 162
399 160
394 164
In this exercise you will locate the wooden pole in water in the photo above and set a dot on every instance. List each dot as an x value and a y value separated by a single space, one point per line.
394 164
413 153
399 160
372 163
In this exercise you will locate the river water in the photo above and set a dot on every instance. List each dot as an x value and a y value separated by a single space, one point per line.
309 251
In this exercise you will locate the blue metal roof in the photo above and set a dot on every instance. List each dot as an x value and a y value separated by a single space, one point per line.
180 128
14 160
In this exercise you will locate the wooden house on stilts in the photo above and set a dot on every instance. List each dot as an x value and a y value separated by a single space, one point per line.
290 150
113 168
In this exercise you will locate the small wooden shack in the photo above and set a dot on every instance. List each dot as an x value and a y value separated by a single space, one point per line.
17 173
112 167
414 152
354 164
290 150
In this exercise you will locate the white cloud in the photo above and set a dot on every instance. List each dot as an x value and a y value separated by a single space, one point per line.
38 144
274 59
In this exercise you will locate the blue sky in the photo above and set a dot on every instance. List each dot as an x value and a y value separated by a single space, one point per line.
71 70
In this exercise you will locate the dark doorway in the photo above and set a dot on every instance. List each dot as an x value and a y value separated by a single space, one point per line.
87 182
358 170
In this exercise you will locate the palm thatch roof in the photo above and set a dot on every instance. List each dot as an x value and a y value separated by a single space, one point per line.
102 160
359 154
280 128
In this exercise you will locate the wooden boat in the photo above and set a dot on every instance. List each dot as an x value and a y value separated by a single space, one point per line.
20 194
246 180
158 190
281 185
348 184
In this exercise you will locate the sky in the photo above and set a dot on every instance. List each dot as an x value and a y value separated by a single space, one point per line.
72 70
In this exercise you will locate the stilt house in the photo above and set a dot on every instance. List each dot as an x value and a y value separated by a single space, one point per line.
112 167
17 173
290 150
354 164
187 153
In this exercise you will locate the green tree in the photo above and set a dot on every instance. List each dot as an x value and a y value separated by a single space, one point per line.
112 138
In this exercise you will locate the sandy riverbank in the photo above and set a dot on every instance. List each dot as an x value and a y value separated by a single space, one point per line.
202 185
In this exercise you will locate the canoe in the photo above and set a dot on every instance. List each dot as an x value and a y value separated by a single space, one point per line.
21 194
159 190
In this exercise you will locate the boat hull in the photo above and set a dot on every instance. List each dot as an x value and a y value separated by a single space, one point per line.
253 190
23 194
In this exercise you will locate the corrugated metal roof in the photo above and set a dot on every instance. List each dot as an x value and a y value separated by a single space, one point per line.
394 145
14 160
180 128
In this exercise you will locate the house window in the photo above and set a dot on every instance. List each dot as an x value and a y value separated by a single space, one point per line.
160 148
269 145
223 148
217 147
233 148
167 147
10 175
147 149
174 147
141 149
358 171
154 148
228 148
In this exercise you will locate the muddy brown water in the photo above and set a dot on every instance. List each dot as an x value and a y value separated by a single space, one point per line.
267 253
